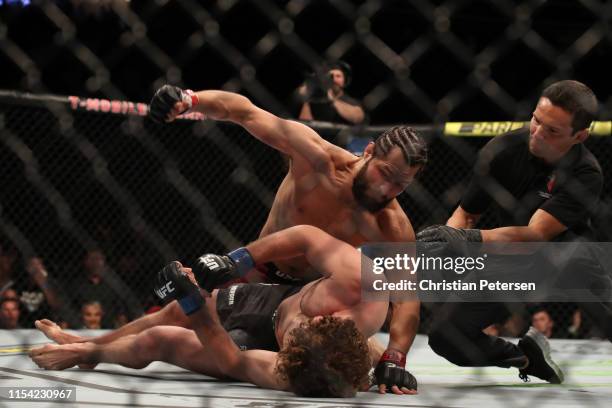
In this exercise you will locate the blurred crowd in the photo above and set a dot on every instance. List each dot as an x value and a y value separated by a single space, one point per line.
94 295
552 322
91 295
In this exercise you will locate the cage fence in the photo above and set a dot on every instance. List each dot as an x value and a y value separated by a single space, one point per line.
90 182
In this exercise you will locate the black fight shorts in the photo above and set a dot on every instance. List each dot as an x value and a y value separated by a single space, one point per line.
246 311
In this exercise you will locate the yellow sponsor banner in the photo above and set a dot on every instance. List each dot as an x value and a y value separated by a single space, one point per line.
15 349
601 128
497 128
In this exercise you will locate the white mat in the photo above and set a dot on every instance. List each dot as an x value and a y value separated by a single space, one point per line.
587 364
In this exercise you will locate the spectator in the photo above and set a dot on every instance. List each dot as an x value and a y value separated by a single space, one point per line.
581 327
32 287
121 319
325 98
7 262
98 282
492 330
38 294
576 328
9 314
543 323
9 294
91 315
514 326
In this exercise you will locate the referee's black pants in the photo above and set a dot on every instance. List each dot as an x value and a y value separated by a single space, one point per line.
590 271
456 335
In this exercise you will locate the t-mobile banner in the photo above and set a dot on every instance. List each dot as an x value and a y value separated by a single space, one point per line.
488 272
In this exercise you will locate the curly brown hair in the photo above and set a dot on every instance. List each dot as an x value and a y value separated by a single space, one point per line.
325 357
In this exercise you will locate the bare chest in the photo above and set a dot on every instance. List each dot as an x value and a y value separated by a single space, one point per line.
330 206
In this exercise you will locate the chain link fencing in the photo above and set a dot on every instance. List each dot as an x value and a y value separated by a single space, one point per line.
80 179
414 60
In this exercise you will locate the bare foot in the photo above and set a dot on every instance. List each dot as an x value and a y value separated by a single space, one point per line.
55 333
55 357
58 335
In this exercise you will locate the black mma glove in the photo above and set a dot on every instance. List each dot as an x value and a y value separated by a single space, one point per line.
390 371
173 283
166 97
444 233
212 271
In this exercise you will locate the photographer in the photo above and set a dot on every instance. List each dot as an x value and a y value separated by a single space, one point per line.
325 99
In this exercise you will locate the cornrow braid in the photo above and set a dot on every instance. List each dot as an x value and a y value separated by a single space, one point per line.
413 147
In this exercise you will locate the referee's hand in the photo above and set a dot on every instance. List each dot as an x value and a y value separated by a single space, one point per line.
444 233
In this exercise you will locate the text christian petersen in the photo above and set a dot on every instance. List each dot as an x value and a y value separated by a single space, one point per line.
403 263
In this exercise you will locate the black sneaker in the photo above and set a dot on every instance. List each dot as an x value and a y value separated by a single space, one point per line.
537 349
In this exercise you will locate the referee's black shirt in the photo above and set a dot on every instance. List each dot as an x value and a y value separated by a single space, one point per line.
507 176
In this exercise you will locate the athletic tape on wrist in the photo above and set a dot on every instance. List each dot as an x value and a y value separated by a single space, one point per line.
394 356
190 98
191 303
243 260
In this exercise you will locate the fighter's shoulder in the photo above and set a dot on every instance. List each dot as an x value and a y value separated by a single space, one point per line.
340 154
394 223
342 159
318 154
331 159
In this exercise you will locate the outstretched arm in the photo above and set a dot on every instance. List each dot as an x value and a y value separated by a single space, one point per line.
328 255
462 219
337 261
542 227
332 258
288 136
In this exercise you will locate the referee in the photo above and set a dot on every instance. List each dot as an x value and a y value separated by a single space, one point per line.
544 185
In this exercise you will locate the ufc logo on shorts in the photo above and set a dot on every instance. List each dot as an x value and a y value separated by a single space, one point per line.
164 290
210 262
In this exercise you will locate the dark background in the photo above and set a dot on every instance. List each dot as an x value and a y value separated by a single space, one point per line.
147 194
413 61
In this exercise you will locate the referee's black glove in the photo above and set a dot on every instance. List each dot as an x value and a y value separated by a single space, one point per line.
444 233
